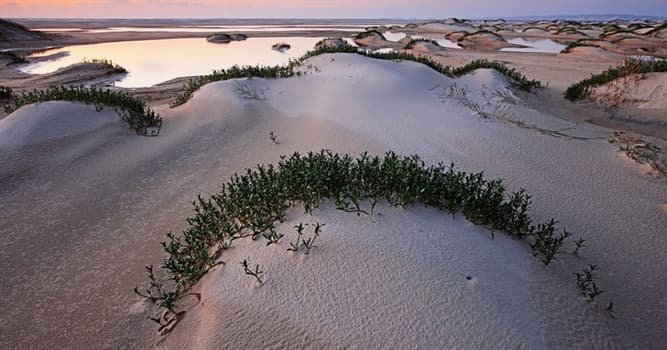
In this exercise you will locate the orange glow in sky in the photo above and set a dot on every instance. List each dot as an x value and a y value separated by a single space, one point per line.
323 8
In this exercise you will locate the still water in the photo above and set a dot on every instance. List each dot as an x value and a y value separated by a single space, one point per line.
534 45
154 61
353 28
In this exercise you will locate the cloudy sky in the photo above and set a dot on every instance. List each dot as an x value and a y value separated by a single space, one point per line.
324 8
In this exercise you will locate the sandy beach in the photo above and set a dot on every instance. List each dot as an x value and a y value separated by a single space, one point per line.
86 203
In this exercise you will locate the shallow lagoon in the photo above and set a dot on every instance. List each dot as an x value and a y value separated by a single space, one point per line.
534 45
154 61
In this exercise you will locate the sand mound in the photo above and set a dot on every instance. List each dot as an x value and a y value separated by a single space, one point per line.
405 279
11 31
86 73
333 42
646 92
399 279
221 38
50 121
534 31
438 27
428 47
595 53
375 40
484 40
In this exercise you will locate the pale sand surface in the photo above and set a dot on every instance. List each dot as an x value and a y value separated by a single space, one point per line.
48 121
88 211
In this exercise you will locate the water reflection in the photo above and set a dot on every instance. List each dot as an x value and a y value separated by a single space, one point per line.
534 45
213 29
394 36
153 61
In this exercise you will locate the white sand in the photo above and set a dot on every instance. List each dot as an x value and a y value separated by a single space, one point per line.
396 280
44 122
650 92
594 53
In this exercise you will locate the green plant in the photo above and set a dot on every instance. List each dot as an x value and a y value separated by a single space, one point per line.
273 137
115 67
250 204
13 57
156 293
309 243
579 243
610 310
578 43
368 33
294 247
257 273
413 42
5 93
586 282
272 236
140 118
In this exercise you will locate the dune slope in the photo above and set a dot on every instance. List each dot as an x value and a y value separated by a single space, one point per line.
104 200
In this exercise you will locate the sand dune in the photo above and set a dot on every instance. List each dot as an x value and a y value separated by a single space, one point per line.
106 197
50 121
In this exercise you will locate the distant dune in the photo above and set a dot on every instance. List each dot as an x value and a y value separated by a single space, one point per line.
10 31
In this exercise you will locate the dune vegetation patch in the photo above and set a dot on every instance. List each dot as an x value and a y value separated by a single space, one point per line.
139 117
251 203
582 89
13 57
5 93
370 33
579 43
115 68
515 77
413 42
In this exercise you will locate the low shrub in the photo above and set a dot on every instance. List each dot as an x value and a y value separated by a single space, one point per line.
13 57
368 33
115 67
413 42
249 205
578 43
5 93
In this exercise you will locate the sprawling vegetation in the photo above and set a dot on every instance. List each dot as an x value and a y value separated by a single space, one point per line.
369 33
115 67
657 30
413 42
5 93
514 76
250 204
582 89
13 57
139 117
578 43
234 72
289 70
